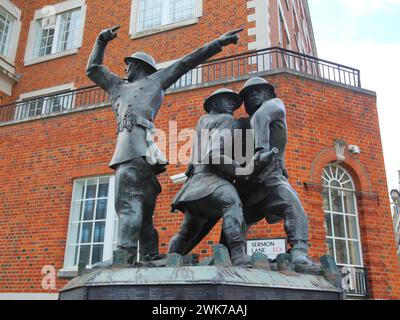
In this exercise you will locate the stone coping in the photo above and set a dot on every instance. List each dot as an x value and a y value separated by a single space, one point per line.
214 275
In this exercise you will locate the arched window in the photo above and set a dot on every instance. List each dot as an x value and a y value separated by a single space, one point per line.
341 216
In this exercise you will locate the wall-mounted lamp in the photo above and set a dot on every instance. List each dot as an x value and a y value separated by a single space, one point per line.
354 149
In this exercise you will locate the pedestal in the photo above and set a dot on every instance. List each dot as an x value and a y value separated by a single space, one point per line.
198 283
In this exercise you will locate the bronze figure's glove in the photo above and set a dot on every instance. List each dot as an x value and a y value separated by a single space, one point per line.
230 37
108 35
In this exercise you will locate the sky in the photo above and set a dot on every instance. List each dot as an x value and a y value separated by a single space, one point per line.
365 34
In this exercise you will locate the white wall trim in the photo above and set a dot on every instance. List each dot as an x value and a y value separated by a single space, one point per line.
262 29
50 57
135 17
29 296
48 11
282 12
46 91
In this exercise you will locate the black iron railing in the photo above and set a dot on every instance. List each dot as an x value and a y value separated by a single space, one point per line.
236 67
355 281
250 63
53 104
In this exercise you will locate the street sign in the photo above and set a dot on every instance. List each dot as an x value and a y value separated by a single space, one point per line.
270 247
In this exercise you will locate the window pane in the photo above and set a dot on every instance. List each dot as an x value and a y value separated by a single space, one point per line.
335 183
325 197
354 253
6 28
348 185
97 254
329 242
74 230
91 189
84 254
340 173
45 29
87 232
78 234
336 200
83 190
101 209
338 225
76 211
72 253
88 226
341 251
99 230
76 256
69 24
75 28
115 232
150 14
103 188
325 177
349 205
328 223
351 225
60 102
182 9
89 210
341 209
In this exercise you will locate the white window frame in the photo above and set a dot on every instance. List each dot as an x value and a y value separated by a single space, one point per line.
110 225
62 89
14 11
134 20
7 62
346 238
49 11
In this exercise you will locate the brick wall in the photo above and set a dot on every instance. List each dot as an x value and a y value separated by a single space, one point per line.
40 160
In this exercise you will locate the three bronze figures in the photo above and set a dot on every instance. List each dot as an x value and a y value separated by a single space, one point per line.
219 186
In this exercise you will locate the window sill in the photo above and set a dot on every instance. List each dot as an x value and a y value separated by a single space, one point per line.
7 60
67 273
164 28
51 57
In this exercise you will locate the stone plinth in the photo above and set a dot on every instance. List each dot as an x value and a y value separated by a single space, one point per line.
198 283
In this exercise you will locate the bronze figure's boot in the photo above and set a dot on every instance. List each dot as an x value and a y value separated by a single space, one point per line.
300 256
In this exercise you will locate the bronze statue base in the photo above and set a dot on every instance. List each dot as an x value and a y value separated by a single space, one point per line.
198 283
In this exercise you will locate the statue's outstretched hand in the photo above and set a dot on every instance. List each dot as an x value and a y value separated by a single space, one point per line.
230 37
108 35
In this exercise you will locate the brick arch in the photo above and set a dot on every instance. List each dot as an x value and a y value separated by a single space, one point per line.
353 166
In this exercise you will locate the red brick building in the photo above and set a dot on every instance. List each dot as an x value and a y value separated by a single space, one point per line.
57 133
